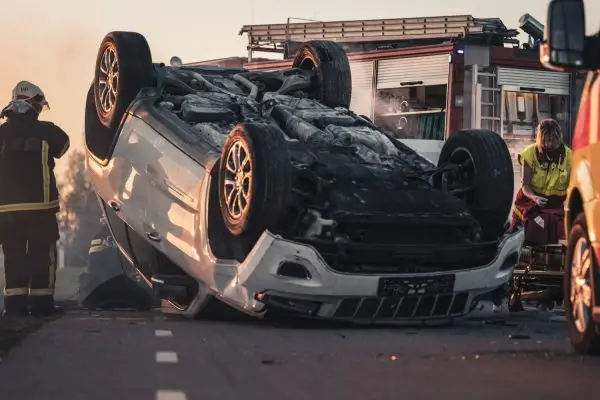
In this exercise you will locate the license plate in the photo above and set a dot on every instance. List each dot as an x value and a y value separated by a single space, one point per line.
431 285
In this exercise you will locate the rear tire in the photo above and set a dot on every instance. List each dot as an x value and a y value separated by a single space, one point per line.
98 138
492 178
123 67
583 332
333 86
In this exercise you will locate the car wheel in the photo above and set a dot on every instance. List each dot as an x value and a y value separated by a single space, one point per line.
98 138
485 179
123 67
254 179
333 83
578 289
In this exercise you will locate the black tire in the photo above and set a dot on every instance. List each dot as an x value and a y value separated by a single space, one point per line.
270 184
135 71
98 138
588 341
492 179
333 86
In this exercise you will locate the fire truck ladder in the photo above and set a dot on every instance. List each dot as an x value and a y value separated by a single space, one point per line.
486 100
273 38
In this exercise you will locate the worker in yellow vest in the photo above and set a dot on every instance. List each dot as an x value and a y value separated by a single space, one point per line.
545 169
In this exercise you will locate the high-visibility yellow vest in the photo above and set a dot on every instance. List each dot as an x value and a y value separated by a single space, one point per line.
547 179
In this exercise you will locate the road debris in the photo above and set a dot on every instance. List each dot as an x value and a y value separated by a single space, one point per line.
517 336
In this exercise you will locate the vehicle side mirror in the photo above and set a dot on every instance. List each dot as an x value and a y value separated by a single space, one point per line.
564 44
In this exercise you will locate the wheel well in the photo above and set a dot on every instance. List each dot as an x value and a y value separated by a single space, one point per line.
575 207
223 244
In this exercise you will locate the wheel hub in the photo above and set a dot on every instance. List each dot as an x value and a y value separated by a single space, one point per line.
238 180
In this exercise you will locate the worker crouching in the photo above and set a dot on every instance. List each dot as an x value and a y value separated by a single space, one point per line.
29 202
539 205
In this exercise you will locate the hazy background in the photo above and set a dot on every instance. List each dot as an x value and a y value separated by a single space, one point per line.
54 43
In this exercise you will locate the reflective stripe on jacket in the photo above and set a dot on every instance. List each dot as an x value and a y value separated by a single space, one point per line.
28 148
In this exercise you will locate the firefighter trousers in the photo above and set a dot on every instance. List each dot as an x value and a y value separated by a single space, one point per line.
30 273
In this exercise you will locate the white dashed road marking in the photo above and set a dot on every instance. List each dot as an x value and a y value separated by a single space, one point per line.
167 357
170 395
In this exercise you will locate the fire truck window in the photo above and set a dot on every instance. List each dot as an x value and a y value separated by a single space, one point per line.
417 112
520 104
523 111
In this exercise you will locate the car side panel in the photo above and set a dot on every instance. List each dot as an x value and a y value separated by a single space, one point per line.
118 183
592 155
182 136
586 159
172 196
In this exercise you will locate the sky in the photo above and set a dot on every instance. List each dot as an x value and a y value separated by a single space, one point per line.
54 43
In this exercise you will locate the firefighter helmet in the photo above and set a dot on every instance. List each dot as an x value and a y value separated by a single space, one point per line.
30 93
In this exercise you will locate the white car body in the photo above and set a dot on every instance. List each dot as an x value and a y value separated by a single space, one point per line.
263 190
181 190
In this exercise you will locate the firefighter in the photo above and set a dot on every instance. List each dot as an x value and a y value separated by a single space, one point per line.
29 202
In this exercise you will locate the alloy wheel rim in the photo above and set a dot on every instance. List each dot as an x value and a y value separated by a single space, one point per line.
581 289
108 79
238 179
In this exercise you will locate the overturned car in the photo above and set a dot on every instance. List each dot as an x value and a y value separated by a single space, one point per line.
262 190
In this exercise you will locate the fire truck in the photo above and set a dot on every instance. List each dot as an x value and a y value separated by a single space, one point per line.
422 79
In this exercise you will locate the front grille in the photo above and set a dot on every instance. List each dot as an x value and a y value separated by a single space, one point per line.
373 259
406 233
403 308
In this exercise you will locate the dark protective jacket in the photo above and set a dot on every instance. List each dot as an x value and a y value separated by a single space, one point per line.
28 148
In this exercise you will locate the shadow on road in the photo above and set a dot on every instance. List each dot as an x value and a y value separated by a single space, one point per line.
532 320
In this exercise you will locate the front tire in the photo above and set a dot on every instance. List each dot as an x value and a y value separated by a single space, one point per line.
578 286
488 171
254 179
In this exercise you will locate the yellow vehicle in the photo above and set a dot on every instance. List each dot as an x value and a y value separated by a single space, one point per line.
567 48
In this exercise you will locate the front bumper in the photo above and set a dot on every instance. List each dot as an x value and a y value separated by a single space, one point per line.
258 287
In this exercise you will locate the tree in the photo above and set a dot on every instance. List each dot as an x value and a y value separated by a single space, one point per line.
79 216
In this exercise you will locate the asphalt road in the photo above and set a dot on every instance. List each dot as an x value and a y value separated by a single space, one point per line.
133 356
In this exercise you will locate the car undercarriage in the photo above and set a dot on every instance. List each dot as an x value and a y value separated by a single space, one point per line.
355 193
288 161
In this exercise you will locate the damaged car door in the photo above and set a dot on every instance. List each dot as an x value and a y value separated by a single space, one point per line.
125 187
168 210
